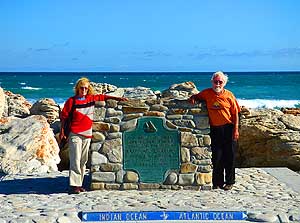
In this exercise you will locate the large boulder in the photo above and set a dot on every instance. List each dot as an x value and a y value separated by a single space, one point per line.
140 93
269 138
2 102
14 105
103 88
27 145
293 111
46 107
181 90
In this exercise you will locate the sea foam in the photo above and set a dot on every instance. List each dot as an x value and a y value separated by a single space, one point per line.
31 88
265 103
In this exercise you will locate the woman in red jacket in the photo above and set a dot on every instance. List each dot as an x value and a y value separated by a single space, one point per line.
83 104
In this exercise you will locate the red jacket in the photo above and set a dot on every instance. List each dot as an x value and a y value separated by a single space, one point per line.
83 114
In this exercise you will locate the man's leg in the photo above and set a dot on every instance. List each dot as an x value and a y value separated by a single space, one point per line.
229 156
217 154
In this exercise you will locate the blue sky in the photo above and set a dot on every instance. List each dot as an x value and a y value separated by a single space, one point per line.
153 35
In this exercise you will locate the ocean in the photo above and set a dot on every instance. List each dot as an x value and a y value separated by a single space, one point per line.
252 89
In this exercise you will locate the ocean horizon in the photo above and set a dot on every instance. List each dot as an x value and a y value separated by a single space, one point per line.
252 89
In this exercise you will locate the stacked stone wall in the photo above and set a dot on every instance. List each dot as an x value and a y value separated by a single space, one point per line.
112 119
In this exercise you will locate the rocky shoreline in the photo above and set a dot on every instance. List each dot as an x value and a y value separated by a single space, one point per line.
268 137
32 190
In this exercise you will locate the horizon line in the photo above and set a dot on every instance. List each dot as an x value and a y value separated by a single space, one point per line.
262 71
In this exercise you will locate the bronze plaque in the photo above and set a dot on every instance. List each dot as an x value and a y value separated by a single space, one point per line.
151 149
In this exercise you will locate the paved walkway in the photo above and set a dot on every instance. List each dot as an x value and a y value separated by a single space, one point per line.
266 195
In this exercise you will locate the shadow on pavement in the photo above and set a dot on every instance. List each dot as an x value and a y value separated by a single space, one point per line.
46 185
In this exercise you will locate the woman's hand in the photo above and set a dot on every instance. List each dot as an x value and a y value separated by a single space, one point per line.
123 99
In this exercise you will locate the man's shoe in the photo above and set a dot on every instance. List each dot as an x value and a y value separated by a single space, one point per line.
74 190
228 187
217 187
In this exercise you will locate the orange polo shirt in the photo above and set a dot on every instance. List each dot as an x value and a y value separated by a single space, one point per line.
221 108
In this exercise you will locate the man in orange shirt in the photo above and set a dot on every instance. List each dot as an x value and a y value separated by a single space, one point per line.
223 111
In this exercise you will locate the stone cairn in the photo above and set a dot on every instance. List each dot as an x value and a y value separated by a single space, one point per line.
112 119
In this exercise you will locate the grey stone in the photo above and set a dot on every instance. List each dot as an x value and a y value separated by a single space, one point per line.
111 103
131 177
113 149
125 126
97 158
128 117
110 167
111 112
139 93
103 177
114 135
99 114
185 155
186 179
171 179
98 137
174 117
158 107
114 128
114 120
206 140
96 146
263 217
188 139
202 122
120 176
184 123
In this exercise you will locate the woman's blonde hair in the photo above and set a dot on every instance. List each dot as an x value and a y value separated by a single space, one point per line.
80 83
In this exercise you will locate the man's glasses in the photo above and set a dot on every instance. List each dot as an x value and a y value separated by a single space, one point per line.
218 82
84 88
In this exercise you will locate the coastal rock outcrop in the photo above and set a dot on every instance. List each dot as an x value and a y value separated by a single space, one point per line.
13 105
2 102
268 137
102 88
139 93
293 111
46 107
27 145
184 90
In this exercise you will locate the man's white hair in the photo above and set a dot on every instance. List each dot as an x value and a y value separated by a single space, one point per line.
220 74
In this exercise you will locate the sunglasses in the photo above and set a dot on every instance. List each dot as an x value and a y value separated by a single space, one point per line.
218 82
84 88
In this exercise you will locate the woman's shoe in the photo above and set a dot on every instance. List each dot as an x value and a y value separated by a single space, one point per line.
82 189
74 190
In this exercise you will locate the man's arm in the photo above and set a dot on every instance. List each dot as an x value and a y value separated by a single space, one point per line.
194 99
236 126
